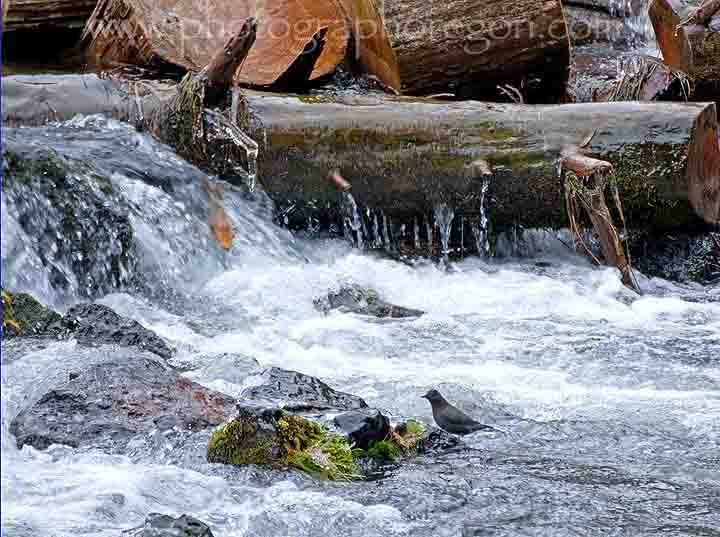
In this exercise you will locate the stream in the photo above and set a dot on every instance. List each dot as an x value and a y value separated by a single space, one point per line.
608 403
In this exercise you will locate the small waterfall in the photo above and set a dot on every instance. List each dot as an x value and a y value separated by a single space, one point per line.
416 234
444 216
352 221
386 232
480 225
429 231
377 240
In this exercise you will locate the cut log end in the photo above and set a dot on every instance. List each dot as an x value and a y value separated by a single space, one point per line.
703 170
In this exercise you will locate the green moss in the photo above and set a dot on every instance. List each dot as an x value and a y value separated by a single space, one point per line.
294 441
296 433
230 445
332 458
8 314
383 451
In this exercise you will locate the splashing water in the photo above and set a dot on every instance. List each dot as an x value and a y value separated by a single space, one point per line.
444 216
608 403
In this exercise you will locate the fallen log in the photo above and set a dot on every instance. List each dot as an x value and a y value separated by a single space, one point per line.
407 156
186 33
426 47
403 157
63 14
691 48
471 46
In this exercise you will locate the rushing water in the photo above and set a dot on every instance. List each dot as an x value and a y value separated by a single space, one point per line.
608 403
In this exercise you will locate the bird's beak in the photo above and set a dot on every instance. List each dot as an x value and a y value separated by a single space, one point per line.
424 396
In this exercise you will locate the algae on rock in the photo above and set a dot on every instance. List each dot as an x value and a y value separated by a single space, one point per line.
272 437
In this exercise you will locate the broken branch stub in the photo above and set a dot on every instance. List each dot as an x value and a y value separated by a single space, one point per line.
585 180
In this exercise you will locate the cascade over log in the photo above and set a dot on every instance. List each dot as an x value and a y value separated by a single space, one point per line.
470 46
691 48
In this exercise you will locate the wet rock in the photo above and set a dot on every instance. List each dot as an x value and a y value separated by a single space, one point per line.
25 316
297 392
93 324
680 257
363 426
268 436
83 235
413 436
436 440
97 324
157 525
355 299
108 404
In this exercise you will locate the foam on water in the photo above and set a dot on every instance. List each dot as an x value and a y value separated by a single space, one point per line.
607 402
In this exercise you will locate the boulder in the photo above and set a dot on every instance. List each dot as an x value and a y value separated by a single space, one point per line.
297 392
158 525
270 437
363 426
97 324
356 299
92 324
108 404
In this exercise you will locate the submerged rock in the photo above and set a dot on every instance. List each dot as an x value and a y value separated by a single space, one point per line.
158 525
88 323
270 437
363 426
83 234
356 299
297 392
108 404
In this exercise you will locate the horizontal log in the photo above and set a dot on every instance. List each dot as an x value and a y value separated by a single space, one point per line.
66 14
405 156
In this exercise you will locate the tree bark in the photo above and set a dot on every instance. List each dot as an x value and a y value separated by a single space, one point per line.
471 46
406 156
692 48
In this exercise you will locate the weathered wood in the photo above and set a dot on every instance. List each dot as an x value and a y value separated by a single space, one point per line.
140 32
471 46
65 14
404 156
693 49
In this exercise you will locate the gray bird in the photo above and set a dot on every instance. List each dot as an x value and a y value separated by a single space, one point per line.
450 418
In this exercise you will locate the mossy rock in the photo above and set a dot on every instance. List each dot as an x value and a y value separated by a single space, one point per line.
270 437
23 315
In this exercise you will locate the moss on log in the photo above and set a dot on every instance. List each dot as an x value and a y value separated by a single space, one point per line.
406 156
